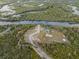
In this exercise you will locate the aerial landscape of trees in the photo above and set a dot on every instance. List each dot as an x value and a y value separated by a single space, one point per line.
12 43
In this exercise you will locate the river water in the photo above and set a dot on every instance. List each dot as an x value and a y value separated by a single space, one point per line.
35 22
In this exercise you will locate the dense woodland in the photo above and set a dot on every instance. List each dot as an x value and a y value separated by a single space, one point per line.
11 50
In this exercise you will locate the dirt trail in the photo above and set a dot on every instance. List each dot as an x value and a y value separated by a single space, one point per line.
5 31
36 46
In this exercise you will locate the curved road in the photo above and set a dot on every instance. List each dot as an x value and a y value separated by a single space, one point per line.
35 44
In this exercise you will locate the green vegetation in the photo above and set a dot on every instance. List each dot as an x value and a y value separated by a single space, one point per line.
12 44
3 28
65 51
9 48
52 12
49 11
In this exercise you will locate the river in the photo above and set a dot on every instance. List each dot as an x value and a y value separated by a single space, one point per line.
36 22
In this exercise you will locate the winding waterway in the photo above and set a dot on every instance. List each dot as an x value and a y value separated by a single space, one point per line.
35 22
